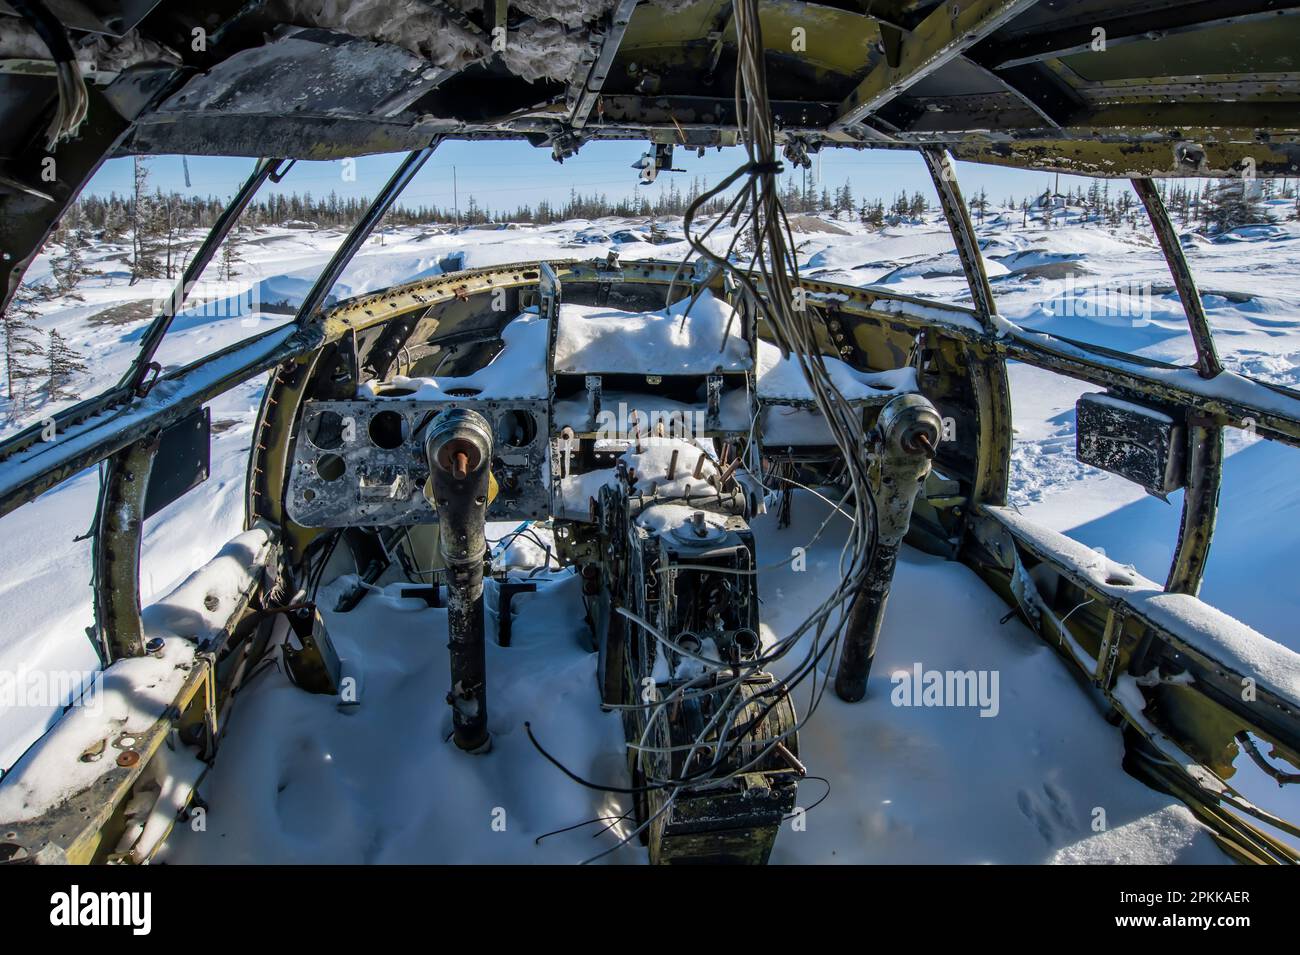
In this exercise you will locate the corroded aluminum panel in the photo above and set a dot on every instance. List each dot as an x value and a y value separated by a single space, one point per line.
362 462
1142 444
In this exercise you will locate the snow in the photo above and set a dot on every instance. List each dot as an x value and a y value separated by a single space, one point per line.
1158 839
513 373
200 607
782 378
383 784
1119 404
705 340
663 519
1201 626
299 781
650 468
135 691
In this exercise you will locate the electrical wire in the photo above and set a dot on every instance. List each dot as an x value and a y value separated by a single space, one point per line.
74 99
770 283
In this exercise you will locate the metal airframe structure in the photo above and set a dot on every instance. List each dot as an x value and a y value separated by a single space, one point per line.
921 84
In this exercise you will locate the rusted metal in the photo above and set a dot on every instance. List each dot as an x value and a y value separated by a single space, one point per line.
957 215
909 426
943 35
1200 508
118 529
1183 734
1207 358
586 93
459 452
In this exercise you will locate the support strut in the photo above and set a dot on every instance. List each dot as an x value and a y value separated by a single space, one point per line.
459 451
909 431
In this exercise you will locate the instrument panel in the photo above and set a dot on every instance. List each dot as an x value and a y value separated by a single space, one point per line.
362 462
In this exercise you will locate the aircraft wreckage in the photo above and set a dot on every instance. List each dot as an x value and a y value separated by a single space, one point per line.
386 435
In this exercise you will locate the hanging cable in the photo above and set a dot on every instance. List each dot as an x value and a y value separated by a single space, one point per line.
74 100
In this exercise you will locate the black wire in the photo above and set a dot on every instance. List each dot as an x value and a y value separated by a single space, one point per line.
824 797
625 790
579 825
47 27
314 576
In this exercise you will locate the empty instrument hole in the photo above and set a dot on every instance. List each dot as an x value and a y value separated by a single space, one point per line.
388 430
330 467
325 430
516 428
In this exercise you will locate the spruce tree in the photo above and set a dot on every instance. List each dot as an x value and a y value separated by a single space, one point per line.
23 354
1234 203
145 263
231 254
62 363
70 267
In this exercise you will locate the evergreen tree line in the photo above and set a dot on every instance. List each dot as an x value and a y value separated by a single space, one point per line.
1210 206
36 370
115 217
161 230
153 221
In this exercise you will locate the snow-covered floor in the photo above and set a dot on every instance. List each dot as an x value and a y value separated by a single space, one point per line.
298 781
906 784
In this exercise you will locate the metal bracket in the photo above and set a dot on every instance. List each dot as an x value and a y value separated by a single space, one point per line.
713 407
593 385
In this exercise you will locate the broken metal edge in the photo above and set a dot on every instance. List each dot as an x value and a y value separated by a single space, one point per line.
115 749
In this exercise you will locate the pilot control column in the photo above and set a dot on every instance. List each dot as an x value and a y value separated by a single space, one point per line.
909 430
458 448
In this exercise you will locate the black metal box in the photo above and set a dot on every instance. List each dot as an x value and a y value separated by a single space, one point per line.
1144 445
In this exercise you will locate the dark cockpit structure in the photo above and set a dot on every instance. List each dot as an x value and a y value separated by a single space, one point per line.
394 424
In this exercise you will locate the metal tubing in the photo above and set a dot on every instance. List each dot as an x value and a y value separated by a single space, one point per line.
459 451
1207 358
957 215
506 592
119 526
1200 508
153 335
909 430
361 231
862 632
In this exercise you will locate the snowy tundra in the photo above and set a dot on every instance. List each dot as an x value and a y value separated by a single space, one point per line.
298 781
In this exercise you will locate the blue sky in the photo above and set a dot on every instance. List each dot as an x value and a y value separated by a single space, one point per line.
503 175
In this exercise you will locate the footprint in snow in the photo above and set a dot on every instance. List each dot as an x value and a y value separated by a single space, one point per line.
1051 813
